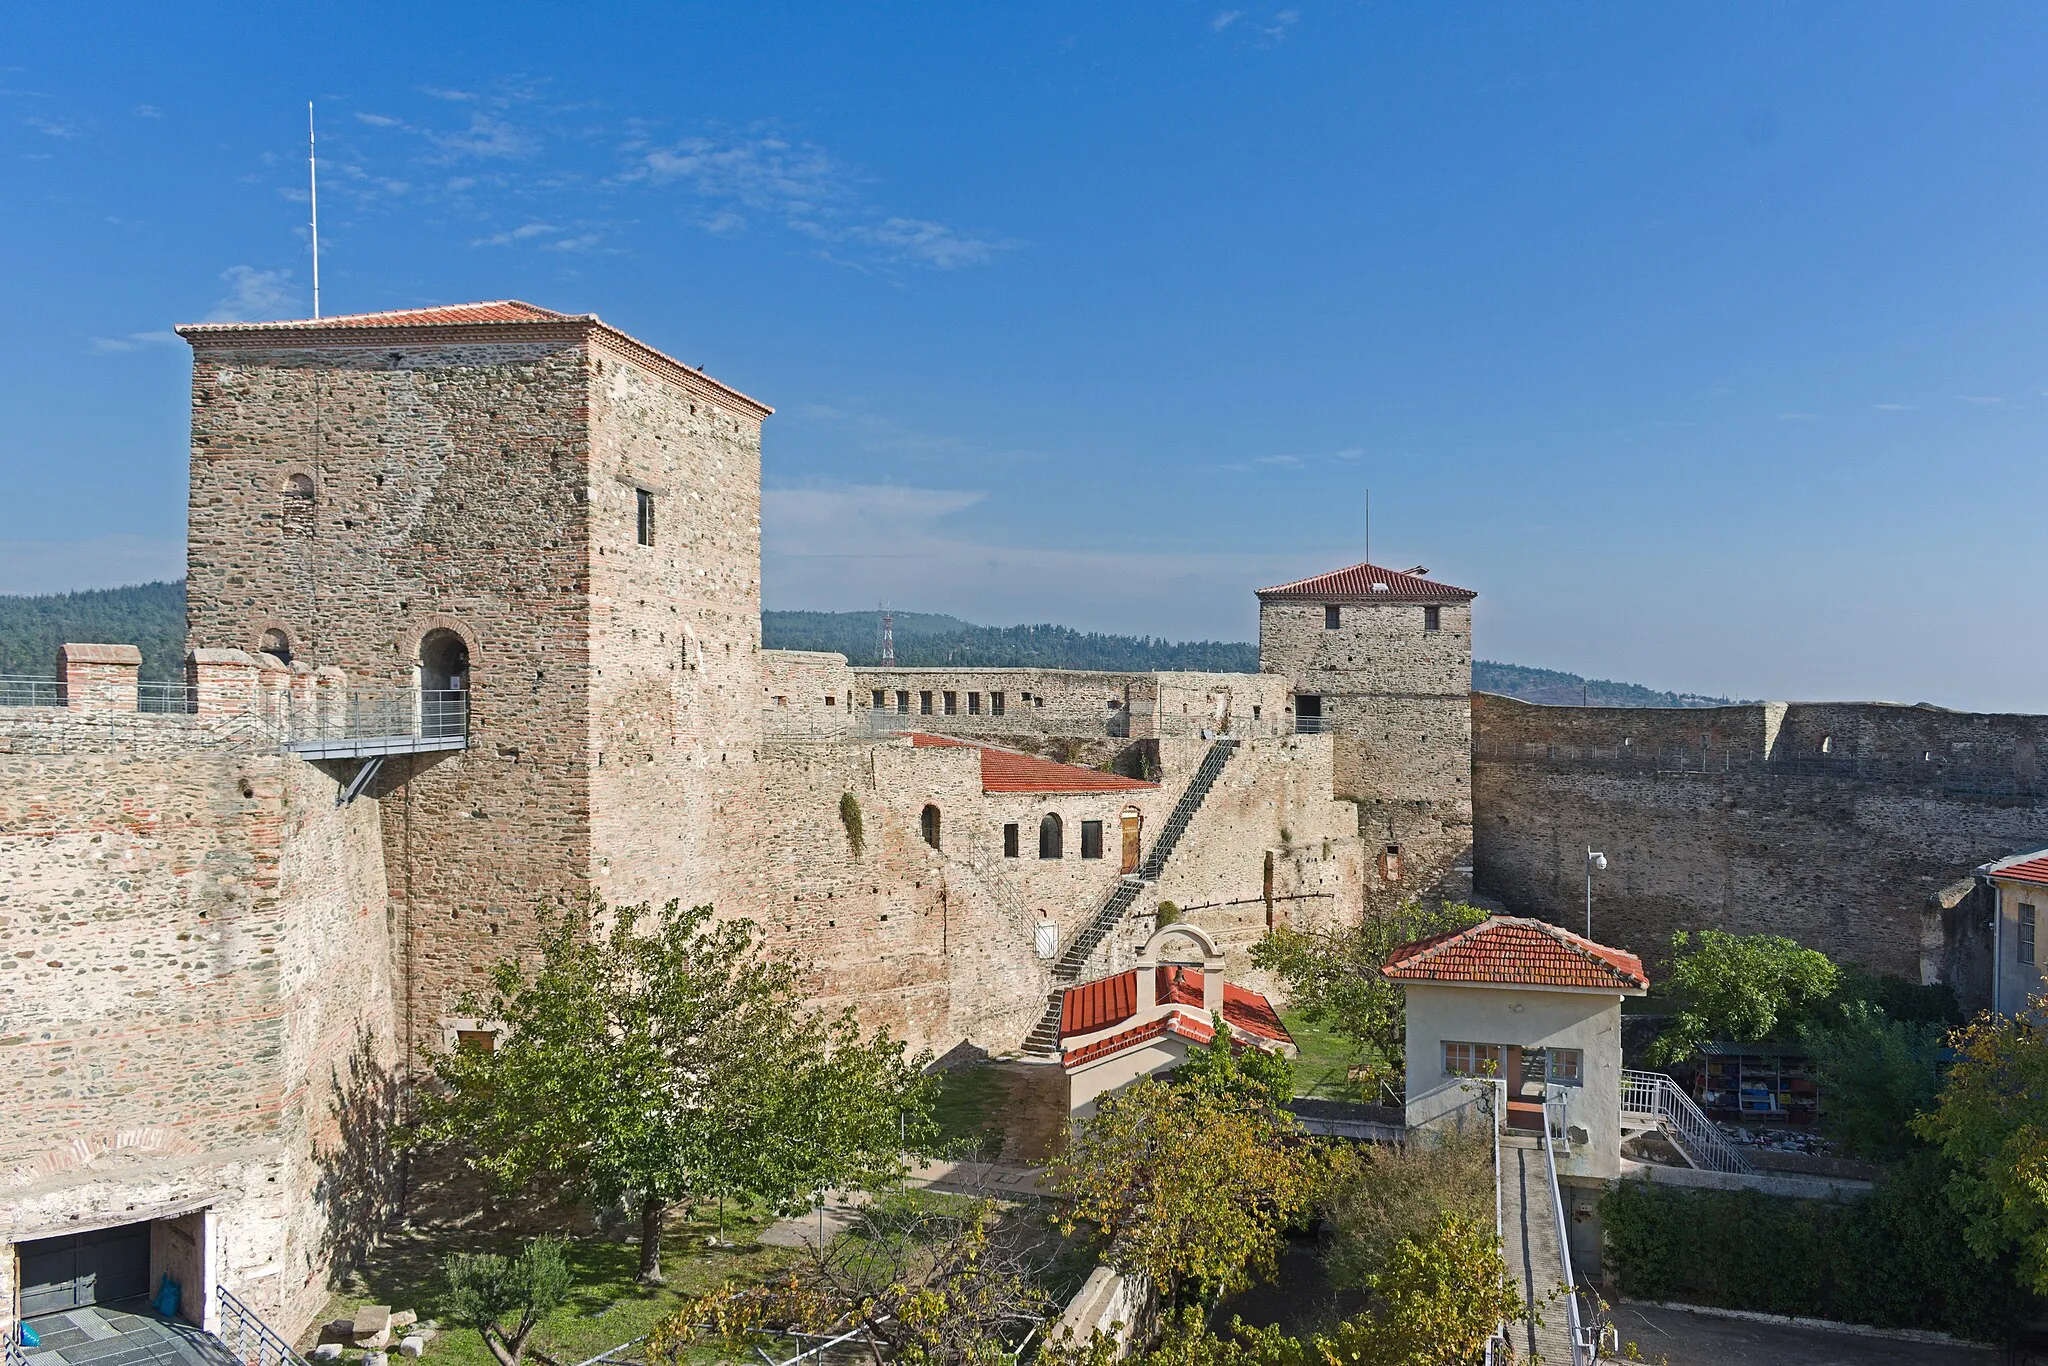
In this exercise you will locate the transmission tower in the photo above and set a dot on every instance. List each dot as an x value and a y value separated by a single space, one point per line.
888 637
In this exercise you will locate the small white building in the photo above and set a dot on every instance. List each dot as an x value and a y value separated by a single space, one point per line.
1531 1003
1115 1030
2020 884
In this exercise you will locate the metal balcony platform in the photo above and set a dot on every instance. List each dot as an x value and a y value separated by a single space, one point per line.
374 746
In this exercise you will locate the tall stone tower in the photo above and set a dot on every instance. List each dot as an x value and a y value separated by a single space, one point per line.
531 513
1382 662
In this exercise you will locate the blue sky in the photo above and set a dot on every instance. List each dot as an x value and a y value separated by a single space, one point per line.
1705 342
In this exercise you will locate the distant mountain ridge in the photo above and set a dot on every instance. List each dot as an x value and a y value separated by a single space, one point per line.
152 616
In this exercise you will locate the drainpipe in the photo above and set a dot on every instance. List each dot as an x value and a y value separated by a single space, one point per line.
1997 941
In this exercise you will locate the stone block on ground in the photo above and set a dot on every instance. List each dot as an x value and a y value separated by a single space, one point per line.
374 1342
411 1345
404 1318
327 1351
376 1359
371 1318
337 1330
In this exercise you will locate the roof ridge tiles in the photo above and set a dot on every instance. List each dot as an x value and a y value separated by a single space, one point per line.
1526 952
1369 582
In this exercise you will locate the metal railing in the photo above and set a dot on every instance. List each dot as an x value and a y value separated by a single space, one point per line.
249 1338
17 1355
1694 1135
17 690
1499 1345
1581 1346
1311 725
165 698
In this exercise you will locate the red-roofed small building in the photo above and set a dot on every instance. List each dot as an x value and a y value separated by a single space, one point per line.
2020 884
1533 1004
1118 1029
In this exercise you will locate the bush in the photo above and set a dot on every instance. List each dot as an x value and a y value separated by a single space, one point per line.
849 816
1895 1259
1396 1193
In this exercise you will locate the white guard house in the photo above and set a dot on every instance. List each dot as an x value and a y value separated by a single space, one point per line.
1535 1005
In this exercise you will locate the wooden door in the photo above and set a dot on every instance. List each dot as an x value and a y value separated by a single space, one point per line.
1134 825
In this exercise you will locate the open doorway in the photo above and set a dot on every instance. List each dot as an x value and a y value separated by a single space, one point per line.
1133 822
444 684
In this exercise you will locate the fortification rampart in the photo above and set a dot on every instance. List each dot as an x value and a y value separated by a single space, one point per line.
195 998
1838 824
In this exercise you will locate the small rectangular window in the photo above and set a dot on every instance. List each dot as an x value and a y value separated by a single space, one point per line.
1432 618
903 704
1333 616
1010 840
995 704
477 1040
924 704
1461 1059
974 704
881 699
831 699
952 704
646 500
2026 935
1566 1066
1091 839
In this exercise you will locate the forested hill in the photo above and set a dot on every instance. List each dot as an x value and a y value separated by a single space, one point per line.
149 615
152 615
923 639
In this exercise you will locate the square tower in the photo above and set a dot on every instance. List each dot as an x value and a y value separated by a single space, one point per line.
529 512
1382 662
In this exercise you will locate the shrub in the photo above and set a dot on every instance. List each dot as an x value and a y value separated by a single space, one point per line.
849 816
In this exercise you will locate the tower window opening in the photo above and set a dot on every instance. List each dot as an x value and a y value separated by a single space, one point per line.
646 506
995 704
1333 616
1432 618
1051 837
444 683
278 645
1091 839
924 704
1010 840
902 703
928 825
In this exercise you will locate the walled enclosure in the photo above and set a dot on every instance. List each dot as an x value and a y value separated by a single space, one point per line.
1838 824
195 1009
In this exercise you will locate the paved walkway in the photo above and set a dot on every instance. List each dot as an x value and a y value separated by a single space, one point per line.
842 1209
1683 1338
127 1334
1529 1228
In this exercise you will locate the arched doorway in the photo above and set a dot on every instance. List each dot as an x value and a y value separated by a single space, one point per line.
928 824
1051 837
444 683
278 645
1133 822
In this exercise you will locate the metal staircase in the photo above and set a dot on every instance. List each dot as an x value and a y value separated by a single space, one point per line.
1654 1101
1044 1039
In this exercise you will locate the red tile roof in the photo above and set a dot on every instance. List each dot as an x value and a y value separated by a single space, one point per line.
1109 1001
1358 583
1509 950
1005 770
2022 868
496 311
490 314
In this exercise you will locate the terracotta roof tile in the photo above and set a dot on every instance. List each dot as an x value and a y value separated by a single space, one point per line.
1005 770
1358 583
1109 1001
2031 869
496 311
1514 951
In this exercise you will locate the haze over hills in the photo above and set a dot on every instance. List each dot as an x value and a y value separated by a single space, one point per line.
152 616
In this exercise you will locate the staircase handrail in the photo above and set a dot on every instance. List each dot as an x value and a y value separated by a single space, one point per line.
248 1330
1654 1094
1577 1332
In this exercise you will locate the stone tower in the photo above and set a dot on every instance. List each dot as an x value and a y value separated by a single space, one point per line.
530 512
1382 661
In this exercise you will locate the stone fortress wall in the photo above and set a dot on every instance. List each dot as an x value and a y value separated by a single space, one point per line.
196 1007
1846 826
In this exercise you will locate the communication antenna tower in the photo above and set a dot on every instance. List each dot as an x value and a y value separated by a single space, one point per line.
888 637
1368 526
313 182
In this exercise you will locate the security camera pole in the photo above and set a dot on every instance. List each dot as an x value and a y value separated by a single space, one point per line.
1594 859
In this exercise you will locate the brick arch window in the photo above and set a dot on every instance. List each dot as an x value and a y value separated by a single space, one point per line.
444 683
1051 837
277 643
928 825
296 505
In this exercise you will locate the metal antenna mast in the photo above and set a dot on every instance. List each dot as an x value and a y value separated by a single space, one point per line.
888 637
1368 522
313 180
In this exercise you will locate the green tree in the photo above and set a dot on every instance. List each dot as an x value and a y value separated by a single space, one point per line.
1393 1194
1991 1121
1190 1186
505 1298
1250 1073
1738 987
1875 1074
1333 976
671 1061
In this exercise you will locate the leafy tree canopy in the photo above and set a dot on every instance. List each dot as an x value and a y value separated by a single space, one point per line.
505 1298
1189 1185
1875 1074
661 1057
1992 1123
1250 1073
1739 987
1333 976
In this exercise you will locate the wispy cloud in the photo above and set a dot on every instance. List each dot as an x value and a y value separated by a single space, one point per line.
253 294
148 111
54 128
1982 400
133 341
1798 417
1225 19
1343 455
1893 407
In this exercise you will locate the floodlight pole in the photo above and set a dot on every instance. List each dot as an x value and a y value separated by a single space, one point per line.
1594 859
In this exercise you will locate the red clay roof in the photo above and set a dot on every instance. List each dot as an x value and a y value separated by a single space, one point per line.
1005 770
1358 582
1109 1001
1509 950
496 311
2034 869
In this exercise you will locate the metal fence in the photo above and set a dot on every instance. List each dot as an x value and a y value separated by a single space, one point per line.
249 1338
19 691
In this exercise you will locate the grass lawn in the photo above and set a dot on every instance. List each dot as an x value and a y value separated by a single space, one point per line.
606 1305
1325 1056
